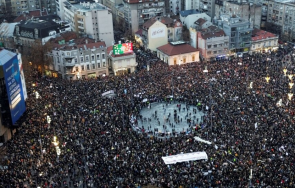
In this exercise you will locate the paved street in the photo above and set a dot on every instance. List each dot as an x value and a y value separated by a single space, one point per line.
165 117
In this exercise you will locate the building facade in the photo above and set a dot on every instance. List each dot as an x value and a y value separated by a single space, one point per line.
137 12
82 58
121 64
262 41
175 7
239 32
178 53
212 42
158 31
281 19
17 7
208 7
93 20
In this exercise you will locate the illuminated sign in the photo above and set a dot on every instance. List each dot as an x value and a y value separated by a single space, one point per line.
124 48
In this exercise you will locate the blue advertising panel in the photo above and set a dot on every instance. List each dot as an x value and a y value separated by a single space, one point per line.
14 89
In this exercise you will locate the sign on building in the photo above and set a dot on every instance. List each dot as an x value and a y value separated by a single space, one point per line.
158 32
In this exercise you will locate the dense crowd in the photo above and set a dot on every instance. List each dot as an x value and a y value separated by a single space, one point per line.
251 134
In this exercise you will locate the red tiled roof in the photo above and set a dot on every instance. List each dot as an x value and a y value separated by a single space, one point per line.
34 13
212 31
110 48
164 20
139 32
171 50
175 24
200 21
258 34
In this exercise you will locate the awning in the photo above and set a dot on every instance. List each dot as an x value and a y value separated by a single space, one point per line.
172 159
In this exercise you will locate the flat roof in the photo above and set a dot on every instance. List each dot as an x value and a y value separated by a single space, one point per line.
5 55
87 6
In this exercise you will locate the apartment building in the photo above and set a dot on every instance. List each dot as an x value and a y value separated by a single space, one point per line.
192 5
7 35
80 58
17 7
208 7
137 12
239 32
212 42
281 18
174 7
245 10
93 20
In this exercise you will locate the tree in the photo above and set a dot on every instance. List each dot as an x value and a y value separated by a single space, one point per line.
186 34
35 54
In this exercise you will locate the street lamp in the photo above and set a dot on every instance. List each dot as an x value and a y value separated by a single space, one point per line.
267 78
291 85
290 95
285 71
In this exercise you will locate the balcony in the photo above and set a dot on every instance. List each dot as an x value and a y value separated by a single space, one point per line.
69 62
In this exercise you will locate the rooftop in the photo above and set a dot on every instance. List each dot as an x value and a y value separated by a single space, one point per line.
34 13
176 49
211 32
85 6
7 29
185 13
200 21
258 34
5 55
165 20
36 23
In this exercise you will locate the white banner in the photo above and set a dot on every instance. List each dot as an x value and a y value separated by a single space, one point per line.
201 140
158 32
107 93
172 159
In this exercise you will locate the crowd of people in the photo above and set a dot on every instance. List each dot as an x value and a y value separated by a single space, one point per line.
252 136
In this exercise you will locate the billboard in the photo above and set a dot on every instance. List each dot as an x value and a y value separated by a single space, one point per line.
14 88
124 48
22 76
158 32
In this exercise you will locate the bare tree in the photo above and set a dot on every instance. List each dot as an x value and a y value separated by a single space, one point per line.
186 34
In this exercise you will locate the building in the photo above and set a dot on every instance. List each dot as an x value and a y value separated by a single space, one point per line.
60 8
27 32
188 17
34 13
239 32
18 7
92 20
191 5
212 42
219 8
208 7
12 93
78 58
7 35
112 5
263 41
137 12
201 24
245 10
175 7
158 31
121 64
178 53
281 19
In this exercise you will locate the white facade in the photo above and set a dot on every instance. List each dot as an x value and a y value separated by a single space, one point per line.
60 9
157 36
189 4
179 59
190 19
175 7
92 19
82 62
125 63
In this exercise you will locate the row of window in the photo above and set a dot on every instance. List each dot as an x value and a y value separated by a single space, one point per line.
87 67
217 45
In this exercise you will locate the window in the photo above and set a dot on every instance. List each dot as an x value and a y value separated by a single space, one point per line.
81 58
102 56
253 46
193 58
88 67
68 53
87 58
76 60
104 64
215 45
58 67
97 56
92 58
82 67
93 66
77 69
209 52
215 52
98 65
209 46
